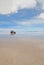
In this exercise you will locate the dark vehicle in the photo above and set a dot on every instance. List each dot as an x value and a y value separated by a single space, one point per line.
12 32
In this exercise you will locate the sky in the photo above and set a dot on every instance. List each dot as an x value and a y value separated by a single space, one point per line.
22 16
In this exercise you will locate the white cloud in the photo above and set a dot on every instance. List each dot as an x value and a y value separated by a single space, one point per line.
5 6
23 4
8 6
41 16
42 3
31 22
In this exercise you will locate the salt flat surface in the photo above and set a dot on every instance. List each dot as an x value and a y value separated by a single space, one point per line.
21 51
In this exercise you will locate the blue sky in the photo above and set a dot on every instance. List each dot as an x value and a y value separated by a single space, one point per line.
23 16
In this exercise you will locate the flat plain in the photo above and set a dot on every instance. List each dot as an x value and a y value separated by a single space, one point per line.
21 51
